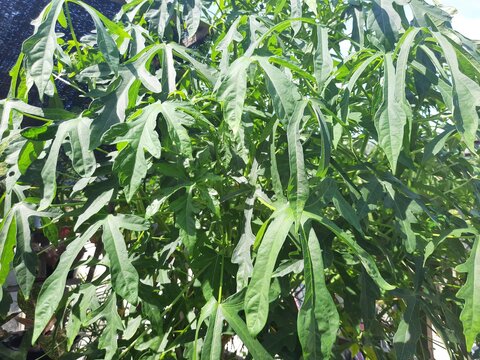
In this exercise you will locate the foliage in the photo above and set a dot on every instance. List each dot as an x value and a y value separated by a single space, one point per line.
224 157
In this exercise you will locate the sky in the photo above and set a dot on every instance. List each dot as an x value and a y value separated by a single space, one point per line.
467 19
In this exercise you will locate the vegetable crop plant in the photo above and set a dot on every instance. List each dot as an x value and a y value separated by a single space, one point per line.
259 179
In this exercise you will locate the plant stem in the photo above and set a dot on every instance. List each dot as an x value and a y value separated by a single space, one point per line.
74 37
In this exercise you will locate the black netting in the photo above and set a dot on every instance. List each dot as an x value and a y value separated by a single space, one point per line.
15 27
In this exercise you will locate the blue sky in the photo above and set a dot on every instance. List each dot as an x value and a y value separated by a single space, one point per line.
467 19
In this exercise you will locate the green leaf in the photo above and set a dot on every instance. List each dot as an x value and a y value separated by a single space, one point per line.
93 206
366 259
322 61
83 301
159 15
298 183
8 231
192 18
345 209
176 119
391 118
108 337
326 140
139 134
124 95
30 152
231 93
49 299
466 95
212 347
207 310
230 312
276 181
295 13
385 22
318 320
83 159
257 298
283 92
408 331
124 275
470 293
40 48
185 219
105 42
437 144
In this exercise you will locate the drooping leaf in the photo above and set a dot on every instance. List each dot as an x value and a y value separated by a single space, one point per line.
49 299
232 93
230 309
466 95
298 184
296 12
386 23
176 119
108 338
318 319
391 118
323 62
212 347
469 292
7 242
185 220
256 297
192 18
408 332
366 259
283 92
326 140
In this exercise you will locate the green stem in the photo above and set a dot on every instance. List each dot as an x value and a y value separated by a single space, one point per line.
74 37
220 288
